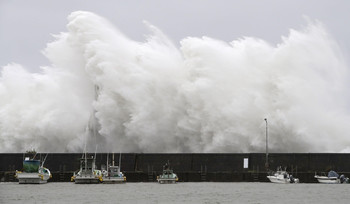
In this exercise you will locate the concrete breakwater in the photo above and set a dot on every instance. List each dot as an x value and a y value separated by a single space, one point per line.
191 167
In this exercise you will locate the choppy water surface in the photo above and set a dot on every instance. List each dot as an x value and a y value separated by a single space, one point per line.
178 193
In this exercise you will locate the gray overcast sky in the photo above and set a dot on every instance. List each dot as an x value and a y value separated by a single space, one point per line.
26 26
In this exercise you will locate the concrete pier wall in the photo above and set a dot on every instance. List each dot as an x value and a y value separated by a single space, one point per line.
189 167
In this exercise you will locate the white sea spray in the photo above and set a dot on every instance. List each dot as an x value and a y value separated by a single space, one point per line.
206 96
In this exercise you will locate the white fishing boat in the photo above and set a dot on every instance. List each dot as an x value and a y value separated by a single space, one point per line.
327 180
113 173
282 176
332 178
87 174
33 172
168 176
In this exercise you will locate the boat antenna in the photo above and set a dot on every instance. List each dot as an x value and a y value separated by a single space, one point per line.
267 147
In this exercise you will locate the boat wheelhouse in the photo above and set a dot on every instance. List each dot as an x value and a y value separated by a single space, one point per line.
168 176
33 172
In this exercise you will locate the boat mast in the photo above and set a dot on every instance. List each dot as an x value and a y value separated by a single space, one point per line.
85 157
42 164
107 162
94 129
94 160
34 155
120 162
113 160
267 147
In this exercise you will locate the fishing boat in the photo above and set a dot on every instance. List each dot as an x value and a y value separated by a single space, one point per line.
282 176
87 174
332 178
113 174
168 176
33 172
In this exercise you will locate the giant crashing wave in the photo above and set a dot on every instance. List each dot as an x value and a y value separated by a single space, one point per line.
206 96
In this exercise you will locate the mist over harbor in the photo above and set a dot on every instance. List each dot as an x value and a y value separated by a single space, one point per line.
205 95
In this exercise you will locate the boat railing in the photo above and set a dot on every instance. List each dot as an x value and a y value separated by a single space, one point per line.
321 174
279 168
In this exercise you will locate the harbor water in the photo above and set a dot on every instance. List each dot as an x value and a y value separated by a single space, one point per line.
203 192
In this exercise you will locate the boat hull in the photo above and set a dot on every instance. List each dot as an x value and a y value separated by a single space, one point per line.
167 181
32 178
86 180
275 179
327 180
117 180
